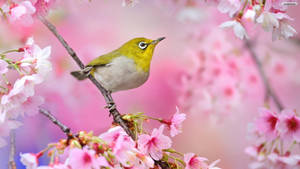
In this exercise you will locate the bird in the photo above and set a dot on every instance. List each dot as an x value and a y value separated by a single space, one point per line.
125 68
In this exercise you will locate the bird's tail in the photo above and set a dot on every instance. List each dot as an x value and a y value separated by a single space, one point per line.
82 74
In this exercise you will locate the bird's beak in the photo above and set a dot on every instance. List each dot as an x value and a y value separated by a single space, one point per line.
158 40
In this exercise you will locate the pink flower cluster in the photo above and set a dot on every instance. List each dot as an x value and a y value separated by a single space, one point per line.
17 96
276 135
115 149
270 14
21 12
220 76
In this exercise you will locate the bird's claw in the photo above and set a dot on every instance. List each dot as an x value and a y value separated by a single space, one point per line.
110 106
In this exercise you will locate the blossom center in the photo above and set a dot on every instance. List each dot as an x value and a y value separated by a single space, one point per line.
292 124
272 121
228 91
87 158
193 162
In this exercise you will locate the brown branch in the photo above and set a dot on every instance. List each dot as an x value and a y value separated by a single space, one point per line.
268 88
106 94
12 163
63 127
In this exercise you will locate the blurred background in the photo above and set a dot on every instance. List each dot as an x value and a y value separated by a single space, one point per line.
219 96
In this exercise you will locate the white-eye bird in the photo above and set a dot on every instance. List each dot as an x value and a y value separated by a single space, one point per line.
124 68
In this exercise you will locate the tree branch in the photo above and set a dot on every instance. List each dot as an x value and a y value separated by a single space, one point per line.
12 163
106 94
268 88
64 128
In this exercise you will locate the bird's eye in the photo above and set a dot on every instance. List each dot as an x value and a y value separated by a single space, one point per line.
143 45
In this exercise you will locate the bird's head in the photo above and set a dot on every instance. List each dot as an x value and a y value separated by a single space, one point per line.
140 50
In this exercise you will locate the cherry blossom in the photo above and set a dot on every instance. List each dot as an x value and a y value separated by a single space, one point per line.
284 31
29 160
18 96
193 161
266 124
175 124
115 149
22 13
289 125
238 28
229 6
154 143
82 159
276 152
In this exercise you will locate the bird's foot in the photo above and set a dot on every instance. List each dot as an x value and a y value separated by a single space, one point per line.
110 106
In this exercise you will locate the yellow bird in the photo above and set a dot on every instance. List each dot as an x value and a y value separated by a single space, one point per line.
124 68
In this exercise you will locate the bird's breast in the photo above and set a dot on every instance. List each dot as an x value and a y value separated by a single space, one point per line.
120 74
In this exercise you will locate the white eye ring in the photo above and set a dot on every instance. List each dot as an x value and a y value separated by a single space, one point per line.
143 45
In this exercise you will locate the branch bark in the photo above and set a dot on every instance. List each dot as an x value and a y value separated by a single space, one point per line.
63 127
12 163
268 88
106 94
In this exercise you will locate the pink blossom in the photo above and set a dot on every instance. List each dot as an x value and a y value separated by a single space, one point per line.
289 125
117 135
266 123
29 160
155 143
255 152
3 66
284 31
22 89
193 161
270 20
284 161
82 159
175 125
229 6
43 6
22 13
238 28
121 144
30 106
276 4
37 57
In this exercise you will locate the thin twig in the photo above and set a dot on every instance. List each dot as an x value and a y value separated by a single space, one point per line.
64 128
12 163
268 88
106 94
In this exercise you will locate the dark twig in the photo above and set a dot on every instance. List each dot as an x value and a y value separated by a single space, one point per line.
12 163
268 88
64 128
106 94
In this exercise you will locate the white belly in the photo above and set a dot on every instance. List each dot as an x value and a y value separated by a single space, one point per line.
120 74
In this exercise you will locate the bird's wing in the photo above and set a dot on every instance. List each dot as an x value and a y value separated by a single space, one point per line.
104 60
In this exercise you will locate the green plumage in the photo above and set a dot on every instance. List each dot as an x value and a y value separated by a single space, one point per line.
104 59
